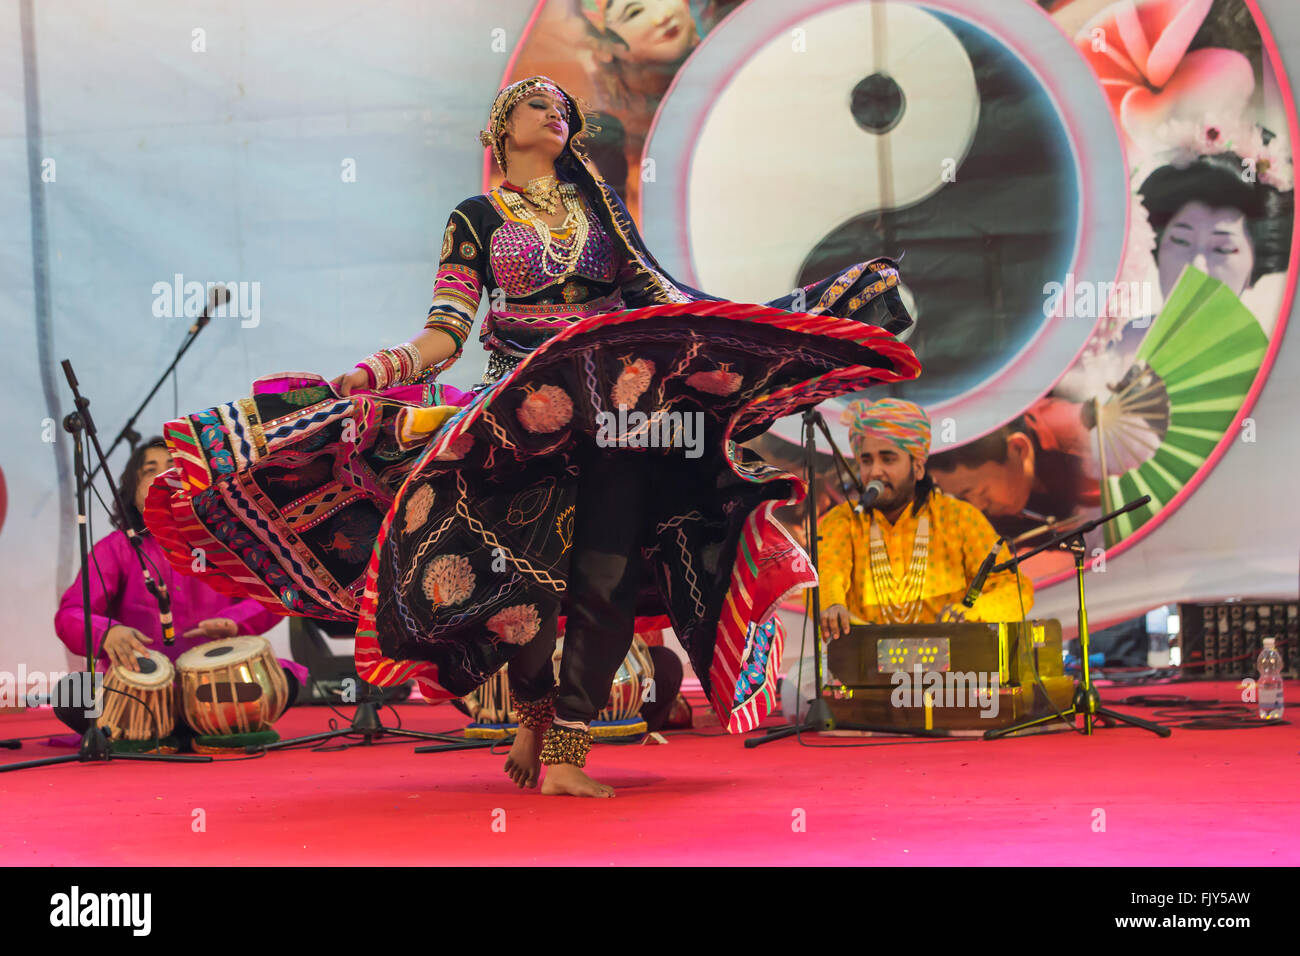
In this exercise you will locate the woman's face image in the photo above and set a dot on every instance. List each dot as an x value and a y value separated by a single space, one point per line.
1211 239
539 121
655 31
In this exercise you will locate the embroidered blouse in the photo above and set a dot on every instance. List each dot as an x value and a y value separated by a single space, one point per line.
490 245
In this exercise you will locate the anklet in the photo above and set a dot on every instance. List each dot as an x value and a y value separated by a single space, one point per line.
561 745
535 714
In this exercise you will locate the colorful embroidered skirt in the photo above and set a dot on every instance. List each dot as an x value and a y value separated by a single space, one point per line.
441 521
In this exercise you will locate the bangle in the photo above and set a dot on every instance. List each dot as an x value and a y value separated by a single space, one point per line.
416 359
389 367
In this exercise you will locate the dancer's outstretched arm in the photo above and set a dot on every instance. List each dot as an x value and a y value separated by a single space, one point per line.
434 346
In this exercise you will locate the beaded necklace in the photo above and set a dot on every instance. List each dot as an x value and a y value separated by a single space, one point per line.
559 256
900 603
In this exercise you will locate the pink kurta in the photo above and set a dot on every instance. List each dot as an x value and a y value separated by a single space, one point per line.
118 596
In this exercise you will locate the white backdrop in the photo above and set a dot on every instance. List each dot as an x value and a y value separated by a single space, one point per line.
228 165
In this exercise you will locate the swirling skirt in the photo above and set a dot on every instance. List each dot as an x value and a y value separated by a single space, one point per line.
441 521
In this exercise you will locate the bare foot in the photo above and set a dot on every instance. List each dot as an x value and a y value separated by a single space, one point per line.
522 764
564 779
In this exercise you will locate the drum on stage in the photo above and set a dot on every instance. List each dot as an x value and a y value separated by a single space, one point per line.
490 703
630 683
232 686
137 705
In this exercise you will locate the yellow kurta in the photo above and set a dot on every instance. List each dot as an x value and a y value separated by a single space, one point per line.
960 538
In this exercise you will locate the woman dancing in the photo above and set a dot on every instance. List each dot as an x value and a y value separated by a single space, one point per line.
594 477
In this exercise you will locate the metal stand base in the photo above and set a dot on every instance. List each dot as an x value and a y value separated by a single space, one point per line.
95 748
366 723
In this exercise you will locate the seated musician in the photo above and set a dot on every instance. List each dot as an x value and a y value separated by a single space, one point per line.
124 615
911 556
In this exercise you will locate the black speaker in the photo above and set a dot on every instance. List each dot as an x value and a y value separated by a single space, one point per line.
332 674
1222 641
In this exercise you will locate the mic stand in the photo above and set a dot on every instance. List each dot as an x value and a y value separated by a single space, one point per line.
819 716
128 432
1086 699
95 746
367 723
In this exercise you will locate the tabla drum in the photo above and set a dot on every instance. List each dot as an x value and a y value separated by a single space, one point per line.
490 703
137 705
232 686
634 679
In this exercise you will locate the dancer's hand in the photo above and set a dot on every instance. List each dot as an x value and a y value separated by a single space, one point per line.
835 621
347 383
122 644
213 629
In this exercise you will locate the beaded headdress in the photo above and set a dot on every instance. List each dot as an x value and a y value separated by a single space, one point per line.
494 135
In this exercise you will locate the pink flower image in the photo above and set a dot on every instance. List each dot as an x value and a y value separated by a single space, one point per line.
720 381
545 410
448 580
516 625
417 507
632 383
1138 49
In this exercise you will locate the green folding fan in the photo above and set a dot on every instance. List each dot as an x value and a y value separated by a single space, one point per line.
1191 374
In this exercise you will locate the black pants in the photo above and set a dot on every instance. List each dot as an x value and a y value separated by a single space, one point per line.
604 577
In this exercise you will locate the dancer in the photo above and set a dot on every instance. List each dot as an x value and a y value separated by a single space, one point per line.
595 476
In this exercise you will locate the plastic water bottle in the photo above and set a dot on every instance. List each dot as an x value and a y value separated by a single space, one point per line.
1270 682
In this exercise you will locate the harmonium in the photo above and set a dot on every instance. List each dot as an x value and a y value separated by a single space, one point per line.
966 678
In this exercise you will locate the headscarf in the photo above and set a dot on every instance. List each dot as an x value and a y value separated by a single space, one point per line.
493 136
904 423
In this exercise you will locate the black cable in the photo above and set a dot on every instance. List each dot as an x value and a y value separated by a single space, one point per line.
1164 700
1230 723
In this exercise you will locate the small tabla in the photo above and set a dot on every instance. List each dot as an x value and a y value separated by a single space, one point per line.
490 703
232 686
151 707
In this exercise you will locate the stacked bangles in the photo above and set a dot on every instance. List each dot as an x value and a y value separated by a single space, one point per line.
389 367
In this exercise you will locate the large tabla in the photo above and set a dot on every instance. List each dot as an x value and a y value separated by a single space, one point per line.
151 705
490 703
232 686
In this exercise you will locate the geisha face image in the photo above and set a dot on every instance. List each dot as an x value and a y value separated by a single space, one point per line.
653 31
1211 239
1207 215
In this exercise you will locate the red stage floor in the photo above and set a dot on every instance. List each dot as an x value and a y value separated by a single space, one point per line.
1197 798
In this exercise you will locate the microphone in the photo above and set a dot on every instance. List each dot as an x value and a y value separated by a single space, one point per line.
220 296
869 496
159 592
981 575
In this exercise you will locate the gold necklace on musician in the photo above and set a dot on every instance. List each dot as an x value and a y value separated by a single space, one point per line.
900 603
559 256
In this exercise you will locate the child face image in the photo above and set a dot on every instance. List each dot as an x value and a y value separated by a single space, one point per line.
999 489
